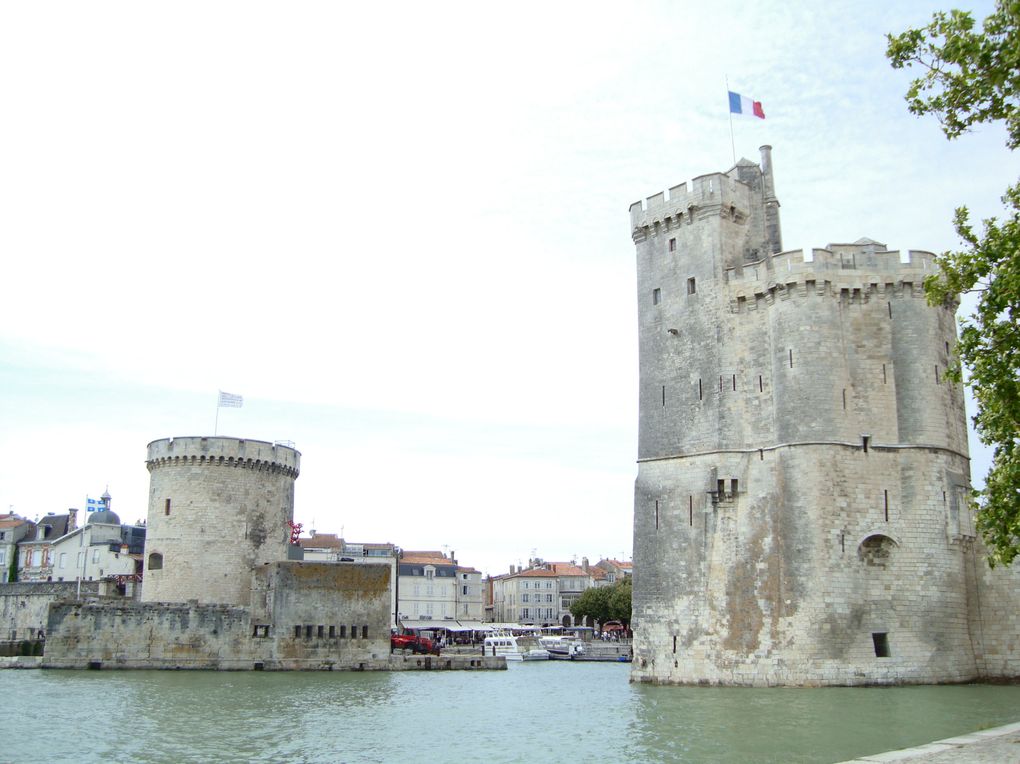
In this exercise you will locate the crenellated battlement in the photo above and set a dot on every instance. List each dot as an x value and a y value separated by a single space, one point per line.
853 273
256 455
871 259
683 201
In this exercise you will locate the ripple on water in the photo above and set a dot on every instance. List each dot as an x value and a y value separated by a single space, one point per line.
536 712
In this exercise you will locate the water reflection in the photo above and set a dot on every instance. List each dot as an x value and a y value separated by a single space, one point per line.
720 724
530 713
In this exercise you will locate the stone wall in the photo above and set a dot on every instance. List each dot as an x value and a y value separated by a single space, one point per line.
325 612
24 605
217 508
307 616
800 513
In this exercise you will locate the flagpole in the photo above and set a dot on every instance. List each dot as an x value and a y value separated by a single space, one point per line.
733 144
216 426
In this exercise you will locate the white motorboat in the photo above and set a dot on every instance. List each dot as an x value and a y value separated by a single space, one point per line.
536 654
502 643
562 648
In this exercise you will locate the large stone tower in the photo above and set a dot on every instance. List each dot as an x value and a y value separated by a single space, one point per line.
799 514
217 508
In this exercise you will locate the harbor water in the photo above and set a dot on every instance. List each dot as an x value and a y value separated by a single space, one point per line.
533 712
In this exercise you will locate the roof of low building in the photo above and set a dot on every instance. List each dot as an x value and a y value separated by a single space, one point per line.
534 573
567 569
426 558
622 565
58 524
321 541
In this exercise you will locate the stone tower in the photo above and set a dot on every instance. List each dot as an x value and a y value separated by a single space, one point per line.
800 508
217 508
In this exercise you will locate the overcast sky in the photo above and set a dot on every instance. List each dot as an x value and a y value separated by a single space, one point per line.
400 231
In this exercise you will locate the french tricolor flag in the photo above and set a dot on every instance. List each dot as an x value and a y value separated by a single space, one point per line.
743 105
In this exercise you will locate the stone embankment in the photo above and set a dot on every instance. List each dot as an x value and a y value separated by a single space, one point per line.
447 662
597 650
992 746
395 662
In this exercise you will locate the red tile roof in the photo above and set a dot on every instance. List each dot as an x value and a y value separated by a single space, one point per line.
567 569
535 573
426 558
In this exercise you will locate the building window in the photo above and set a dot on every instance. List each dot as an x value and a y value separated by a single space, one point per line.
692 286
672 245
464 590
364 632
524 598
63 560
155 561
525 613
656 296
95 555
881 640
166 507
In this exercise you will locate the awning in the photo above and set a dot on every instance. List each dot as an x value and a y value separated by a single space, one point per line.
474 626
407 623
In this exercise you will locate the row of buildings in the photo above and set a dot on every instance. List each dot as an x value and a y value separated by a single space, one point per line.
56 548
432 589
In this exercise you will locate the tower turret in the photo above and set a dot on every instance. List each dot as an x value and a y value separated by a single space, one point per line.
217 508
772 231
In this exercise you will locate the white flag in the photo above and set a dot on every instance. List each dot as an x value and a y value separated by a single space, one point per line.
230 401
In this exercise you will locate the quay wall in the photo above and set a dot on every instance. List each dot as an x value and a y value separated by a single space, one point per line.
24 605
307 616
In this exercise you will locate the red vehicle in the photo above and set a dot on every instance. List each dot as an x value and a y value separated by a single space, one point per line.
414 643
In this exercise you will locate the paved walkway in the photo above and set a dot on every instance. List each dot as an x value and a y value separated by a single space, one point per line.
1000 745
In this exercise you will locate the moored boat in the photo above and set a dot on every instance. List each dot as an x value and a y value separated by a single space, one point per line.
562 648
502 643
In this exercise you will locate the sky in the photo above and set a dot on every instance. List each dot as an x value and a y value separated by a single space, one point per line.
401 232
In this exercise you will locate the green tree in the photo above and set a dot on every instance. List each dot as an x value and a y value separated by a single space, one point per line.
593 603
971 76
605 603
620 601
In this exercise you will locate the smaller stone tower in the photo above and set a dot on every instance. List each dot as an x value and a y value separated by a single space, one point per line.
218 507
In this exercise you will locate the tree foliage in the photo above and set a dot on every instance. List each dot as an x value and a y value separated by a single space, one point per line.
972 76
605 603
